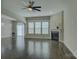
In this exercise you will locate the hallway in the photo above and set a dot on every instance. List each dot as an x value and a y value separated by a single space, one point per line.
21 48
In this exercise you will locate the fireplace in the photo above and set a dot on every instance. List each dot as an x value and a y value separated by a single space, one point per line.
55 35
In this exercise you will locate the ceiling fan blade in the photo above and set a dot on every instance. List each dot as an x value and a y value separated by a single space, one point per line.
36 9
31 2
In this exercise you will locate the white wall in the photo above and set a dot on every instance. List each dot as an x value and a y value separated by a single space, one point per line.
70 25
6 28
56 20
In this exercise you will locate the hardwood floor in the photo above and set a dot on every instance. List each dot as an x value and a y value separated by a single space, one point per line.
21 48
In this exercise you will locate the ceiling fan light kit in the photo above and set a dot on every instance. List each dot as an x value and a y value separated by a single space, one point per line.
30 7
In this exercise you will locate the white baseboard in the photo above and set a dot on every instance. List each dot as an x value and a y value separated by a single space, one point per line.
61 41
74 54
38 38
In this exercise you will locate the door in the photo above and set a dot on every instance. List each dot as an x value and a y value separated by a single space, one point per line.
20 29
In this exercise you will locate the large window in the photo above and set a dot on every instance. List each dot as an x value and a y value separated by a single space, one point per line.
38 27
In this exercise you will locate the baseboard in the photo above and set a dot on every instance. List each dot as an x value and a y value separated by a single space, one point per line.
69 50
61 41
36 38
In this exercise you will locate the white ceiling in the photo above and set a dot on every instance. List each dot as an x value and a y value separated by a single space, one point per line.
49 7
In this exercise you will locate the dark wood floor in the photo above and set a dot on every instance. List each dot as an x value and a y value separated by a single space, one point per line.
21 48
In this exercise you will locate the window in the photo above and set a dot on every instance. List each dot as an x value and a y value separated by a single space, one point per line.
44 27
31 27
40 27
37 27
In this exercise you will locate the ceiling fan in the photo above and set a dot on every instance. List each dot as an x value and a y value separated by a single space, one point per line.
30 6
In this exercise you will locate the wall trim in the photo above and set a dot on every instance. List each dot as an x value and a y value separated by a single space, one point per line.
36 38
70 50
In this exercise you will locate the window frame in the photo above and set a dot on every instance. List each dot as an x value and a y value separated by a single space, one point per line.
38 20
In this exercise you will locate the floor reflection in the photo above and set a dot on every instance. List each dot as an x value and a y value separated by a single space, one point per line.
2 50
45 49
30 47
21 48
20 43
6 45
38 48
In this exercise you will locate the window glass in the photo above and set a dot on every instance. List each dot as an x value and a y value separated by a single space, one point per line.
31 27
37 27
44 27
